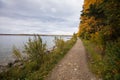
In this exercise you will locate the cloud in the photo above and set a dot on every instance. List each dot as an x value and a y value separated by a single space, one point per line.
40 16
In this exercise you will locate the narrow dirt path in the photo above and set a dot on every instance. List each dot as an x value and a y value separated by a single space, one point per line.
73 66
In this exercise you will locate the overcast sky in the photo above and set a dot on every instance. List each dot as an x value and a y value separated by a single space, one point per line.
40 16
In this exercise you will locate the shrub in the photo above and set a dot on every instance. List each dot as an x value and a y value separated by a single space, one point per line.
112 60
35 49
17 53
107 67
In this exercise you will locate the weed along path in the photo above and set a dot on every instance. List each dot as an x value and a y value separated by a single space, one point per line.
73 66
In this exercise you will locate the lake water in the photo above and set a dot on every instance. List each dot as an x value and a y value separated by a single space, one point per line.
7 43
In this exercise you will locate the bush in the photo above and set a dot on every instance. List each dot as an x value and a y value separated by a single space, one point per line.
112 60
35 49
107 67
17 54
59 43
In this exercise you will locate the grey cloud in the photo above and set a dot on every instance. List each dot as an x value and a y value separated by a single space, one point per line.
39 16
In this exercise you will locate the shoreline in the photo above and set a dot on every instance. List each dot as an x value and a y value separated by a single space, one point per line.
33 35
5 66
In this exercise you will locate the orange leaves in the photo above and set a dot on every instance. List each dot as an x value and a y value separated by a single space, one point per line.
87 3
89 24
96 33
108 31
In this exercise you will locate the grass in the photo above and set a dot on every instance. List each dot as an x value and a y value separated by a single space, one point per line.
38 64
95 61
107 67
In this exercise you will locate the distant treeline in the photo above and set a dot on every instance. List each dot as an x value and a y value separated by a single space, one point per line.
32 35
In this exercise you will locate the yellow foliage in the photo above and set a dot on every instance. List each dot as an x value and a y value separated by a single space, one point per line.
96 33
87 3
89 24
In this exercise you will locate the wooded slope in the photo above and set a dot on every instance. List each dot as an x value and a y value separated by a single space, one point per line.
100 24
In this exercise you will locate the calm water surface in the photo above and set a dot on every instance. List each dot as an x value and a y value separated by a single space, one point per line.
7 43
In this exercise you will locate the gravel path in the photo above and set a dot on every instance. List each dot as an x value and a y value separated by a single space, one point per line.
73 66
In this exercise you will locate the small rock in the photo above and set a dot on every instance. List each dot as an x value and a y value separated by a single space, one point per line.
69 64
59 65
75 69
10 64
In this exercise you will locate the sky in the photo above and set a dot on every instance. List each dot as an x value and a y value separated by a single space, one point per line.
40 16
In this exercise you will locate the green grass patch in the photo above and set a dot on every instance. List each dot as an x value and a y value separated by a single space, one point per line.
95 61
107 67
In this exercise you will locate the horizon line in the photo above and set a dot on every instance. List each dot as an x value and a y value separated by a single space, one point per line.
36 34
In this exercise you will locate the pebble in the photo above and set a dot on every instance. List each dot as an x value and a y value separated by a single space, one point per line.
59 65
75 69
69 64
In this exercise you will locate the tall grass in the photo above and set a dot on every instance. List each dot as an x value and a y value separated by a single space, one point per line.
38 63
95 60
108 67
17 53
